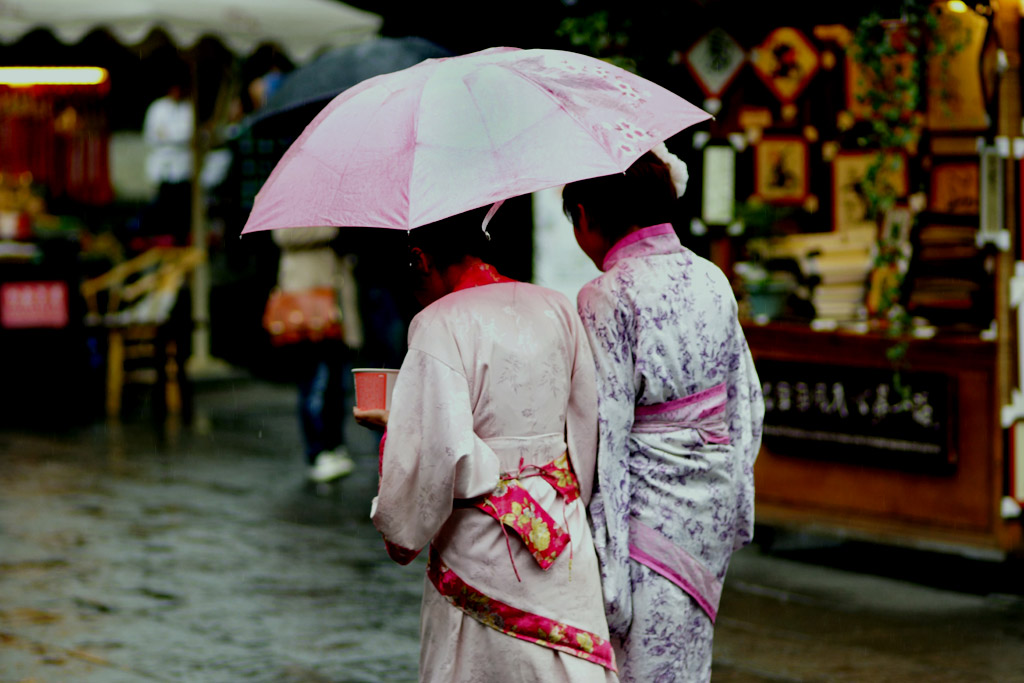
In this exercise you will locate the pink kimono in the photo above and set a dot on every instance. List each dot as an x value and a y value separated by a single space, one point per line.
489 459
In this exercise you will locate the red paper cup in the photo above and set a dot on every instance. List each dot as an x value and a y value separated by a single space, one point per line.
374 387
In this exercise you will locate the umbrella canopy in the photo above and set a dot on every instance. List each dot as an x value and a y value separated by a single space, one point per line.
265 134
448 135
297 27
339 69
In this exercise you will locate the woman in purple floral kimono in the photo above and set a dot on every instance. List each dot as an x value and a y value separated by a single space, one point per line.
680 413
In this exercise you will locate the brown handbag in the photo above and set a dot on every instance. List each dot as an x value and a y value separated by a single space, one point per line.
306 315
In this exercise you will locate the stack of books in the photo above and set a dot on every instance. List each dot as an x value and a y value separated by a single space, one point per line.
840 263
946 275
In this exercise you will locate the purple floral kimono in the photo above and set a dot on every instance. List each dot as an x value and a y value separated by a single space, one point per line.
680 415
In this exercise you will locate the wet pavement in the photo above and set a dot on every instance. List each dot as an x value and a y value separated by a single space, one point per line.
143 552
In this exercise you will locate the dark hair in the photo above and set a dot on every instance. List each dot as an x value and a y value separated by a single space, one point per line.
450 240
179 75
643 195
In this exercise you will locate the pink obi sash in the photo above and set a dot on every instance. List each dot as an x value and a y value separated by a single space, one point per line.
654 550
515 622
515 508
703 411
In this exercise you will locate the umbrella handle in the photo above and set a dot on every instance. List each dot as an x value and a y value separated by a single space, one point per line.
490 214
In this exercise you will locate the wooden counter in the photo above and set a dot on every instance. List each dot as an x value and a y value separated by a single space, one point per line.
944 488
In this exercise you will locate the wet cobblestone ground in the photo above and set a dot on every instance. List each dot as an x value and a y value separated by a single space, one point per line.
132 553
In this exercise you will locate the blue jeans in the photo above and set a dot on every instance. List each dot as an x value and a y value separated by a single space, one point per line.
323 385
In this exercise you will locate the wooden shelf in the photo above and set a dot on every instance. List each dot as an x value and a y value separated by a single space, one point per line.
956 504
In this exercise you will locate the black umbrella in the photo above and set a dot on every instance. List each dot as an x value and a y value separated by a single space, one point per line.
341 68
264 135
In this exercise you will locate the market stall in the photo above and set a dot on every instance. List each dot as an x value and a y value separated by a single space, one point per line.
862 186
53 149
299 28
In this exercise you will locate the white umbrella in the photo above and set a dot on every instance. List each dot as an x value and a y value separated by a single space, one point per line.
297 27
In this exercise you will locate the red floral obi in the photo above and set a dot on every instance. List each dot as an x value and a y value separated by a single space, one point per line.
515 508
512 621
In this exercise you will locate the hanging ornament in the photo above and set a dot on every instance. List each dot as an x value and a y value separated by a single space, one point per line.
786 62
714 61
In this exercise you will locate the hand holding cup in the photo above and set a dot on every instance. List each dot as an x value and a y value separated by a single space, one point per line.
373 418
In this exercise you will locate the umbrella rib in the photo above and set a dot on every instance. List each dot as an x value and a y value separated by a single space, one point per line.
547 93
483 121
362 134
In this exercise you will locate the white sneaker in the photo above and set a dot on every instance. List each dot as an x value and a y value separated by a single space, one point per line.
331 465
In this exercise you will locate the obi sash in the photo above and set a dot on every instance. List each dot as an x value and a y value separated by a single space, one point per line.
703 411
655 551
512 621
515 508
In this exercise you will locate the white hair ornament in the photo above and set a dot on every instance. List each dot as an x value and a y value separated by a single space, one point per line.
676 166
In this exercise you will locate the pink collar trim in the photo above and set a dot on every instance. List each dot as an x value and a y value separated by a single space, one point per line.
617 252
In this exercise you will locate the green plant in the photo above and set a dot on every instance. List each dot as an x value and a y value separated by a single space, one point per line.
596 34
761 219
893 56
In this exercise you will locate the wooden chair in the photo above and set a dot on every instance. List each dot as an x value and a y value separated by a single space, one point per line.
139 296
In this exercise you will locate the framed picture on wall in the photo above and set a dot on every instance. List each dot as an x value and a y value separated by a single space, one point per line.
781 169
850 205
954 188
714 61
786 62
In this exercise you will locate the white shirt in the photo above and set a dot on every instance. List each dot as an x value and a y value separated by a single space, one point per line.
168 129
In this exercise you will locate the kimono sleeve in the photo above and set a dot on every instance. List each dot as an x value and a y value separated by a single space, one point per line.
745 418
432 455
581 434
608 320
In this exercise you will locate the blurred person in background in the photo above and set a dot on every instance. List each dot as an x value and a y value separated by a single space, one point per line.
323 367
168 130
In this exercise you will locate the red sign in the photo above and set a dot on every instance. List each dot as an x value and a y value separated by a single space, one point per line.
786 62
33 304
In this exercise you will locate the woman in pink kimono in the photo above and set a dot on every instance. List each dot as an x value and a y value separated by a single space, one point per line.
680 413
489 459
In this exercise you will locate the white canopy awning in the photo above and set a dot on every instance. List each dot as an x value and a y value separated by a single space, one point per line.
297 27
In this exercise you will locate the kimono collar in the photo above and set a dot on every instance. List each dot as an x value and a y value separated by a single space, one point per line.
655 239
480 274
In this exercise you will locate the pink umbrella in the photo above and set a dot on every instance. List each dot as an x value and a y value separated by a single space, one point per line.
449 135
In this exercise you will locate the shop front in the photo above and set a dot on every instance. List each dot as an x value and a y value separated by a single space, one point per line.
53 152
861 184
